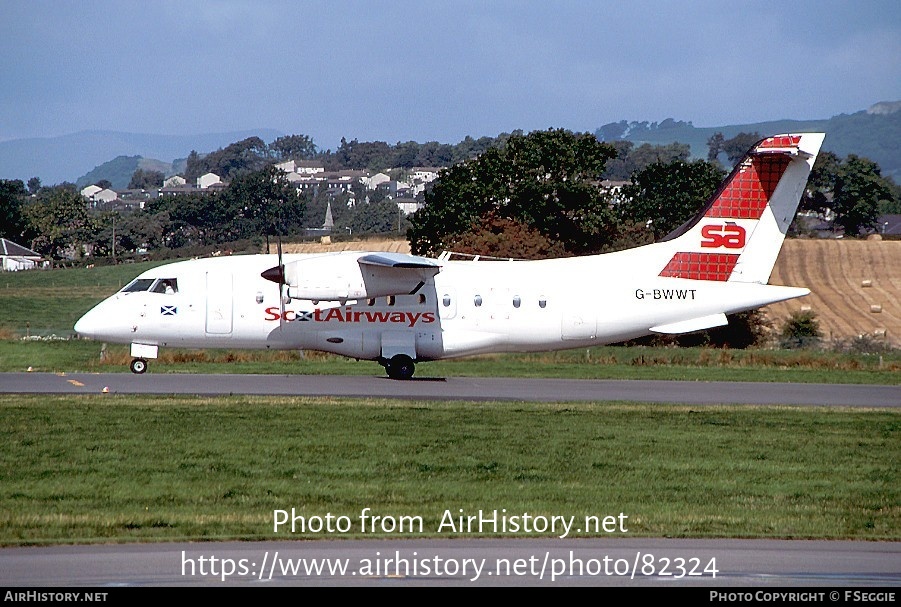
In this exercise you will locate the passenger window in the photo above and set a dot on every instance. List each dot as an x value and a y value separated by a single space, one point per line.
391 300
370 301
446 300
542 303
422 299
477 300
516 301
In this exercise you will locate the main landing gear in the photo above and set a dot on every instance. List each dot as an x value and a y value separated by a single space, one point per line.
399 366
138 365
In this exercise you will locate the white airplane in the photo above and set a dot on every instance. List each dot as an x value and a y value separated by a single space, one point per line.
402 309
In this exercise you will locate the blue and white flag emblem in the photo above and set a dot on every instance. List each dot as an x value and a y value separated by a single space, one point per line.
168 310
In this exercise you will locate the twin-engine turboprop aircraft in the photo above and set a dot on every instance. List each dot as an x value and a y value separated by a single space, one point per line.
402 309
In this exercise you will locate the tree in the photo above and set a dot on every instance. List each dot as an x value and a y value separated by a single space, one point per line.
146 180
60 220
380 217
12 194
715 146
817 196
296 147
34 185
859 189
261 203
498 236
665 195
801 330
630 159
738 146
247 155
547 180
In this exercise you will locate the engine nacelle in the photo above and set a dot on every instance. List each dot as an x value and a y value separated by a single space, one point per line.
355 275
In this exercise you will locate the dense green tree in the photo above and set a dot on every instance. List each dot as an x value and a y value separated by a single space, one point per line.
665 195
247 155
12 195
630 159
547 180
262 203
146 180
715 146
34 185
60 221
859 189
497 236
293 147
383 217
853 189
800 330
738 146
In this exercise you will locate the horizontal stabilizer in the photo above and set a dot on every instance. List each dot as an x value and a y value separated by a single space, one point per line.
693 324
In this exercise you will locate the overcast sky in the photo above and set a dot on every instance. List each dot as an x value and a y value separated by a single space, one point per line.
430 70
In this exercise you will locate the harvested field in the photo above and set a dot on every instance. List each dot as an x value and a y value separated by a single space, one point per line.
855 284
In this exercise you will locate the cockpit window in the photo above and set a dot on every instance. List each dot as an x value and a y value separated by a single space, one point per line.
138 284
154 285
165 285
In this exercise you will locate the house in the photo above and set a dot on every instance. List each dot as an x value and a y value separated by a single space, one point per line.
14 257
174 182
208 179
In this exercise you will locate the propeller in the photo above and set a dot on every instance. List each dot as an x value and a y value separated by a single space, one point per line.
277 274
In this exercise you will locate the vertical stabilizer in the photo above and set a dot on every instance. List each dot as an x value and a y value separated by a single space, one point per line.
738 234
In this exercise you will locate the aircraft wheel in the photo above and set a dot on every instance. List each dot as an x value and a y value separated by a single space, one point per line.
400 366
138 365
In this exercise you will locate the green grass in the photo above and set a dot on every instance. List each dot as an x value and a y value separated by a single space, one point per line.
609 362
138 468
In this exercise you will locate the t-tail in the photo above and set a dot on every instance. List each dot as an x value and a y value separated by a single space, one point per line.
737 236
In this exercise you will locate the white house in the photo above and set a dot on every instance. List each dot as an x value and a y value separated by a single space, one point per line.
106 195
208 179
174 182
14 257
89 191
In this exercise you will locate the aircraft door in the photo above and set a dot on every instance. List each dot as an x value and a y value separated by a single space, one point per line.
219 303
578 324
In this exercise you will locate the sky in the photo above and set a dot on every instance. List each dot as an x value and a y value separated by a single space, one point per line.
433 70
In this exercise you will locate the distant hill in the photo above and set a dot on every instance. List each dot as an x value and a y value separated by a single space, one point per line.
68 157
120 169
873 133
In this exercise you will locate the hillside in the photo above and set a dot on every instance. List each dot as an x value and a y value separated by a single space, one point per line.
65 158
873 133
846 279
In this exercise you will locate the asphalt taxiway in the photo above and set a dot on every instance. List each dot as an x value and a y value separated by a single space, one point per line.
457 388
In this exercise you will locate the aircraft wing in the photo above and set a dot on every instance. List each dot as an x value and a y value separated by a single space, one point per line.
399 260
396 273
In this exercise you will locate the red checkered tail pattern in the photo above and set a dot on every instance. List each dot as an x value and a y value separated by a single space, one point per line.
738 234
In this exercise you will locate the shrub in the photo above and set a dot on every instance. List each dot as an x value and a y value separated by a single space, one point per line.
801 330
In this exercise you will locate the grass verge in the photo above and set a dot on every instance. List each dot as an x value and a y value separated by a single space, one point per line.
117 468
607 362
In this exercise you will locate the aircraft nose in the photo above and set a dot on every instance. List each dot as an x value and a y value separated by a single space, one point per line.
85 326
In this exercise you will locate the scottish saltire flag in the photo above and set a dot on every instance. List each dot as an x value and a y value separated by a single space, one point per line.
168 310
